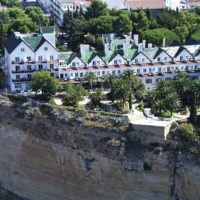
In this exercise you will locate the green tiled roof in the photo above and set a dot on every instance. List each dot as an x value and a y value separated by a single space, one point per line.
46 30
33 42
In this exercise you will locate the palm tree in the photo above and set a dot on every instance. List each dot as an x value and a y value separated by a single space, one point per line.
110 80
182 85
96 97
90 77
129 76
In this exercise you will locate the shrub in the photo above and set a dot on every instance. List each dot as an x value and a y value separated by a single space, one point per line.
17 98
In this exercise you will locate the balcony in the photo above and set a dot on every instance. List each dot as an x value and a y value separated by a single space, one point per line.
21 80
23 71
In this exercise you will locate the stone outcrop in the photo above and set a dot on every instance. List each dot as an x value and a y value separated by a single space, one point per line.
43 158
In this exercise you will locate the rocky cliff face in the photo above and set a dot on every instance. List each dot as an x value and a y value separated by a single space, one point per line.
46 158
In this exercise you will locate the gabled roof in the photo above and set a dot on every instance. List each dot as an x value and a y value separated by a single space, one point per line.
141 52
180 50
115 53
93 56
175 43
12 42
192 42
160 50
73 56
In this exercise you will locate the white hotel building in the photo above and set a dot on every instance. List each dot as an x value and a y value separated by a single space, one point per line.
25 54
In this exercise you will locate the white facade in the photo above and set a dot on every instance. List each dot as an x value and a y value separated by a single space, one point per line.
59 7
176 4
23 60
150 64
119 4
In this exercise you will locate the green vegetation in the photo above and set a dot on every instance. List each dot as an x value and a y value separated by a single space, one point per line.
156 36
73 94
186 138
44 82
169 24
15 18
163 100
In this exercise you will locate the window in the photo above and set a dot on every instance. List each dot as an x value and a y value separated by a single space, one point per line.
181 58
17 59
136 60
29 76
29 67
115 62
113 72
40 58
144 70
103 73
138 71
40 67
76 74
22 49
71 74
81 74
18 77
158 79
94 63
73 64
77 64
17 68
46 48
168 69
29 58
158 59
18 85
148 81
51 57
51 66
98 73
165 58
119 71
143 60
159 69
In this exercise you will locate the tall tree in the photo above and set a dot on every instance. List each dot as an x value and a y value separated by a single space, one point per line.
97 9
90 77
2 38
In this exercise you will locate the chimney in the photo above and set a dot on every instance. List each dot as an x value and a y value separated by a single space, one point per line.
144 44
164 42
125 48
84 48
136 39
106 49
140 47
150 46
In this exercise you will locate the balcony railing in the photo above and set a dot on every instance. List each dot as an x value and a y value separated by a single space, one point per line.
21 80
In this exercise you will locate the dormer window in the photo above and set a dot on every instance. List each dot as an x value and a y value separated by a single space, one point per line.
29 58
94 63
40 58
17 59
73 64
181 58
